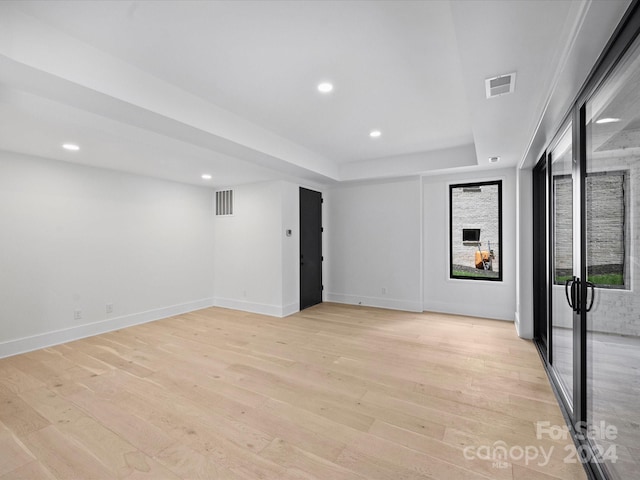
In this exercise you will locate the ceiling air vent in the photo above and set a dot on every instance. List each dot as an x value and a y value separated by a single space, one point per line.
224 202
500 85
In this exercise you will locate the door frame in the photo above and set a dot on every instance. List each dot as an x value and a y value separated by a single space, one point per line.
540 261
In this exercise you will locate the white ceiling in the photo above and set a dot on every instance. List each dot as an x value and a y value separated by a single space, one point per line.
174 89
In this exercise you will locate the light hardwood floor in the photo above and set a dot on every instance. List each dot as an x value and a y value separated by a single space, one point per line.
333 392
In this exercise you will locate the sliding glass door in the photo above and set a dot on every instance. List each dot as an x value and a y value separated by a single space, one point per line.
612 296
587 285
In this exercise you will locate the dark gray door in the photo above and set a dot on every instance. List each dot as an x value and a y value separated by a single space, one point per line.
310 248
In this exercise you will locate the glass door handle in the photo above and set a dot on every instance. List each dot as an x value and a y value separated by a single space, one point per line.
566 291
593 295
572 292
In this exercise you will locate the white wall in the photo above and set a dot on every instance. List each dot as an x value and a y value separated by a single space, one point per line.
374 242
468 297
395 235
247 250
291 248
77 238
524 254
256 265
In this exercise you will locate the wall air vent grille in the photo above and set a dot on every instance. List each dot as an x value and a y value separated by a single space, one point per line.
500 85
224 203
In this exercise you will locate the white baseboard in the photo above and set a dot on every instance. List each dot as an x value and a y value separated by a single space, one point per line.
469 309
290 309
524 331
253 307
56 337
390 303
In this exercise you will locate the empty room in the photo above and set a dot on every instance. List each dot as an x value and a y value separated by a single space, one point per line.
350 239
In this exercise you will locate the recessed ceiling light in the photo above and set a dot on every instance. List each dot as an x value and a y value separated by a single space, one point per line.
375 133
608 120
494 159
325 87
71 146
206 176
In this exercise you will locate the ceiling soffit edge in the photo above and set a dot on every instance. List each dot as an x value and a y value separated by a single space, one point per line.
575 21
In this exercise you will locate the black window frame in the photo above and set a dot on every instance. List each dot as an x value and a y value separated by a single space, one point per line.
473 185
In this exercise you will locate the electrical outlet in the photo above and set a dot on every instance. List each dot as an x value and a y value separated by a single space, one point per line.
77 314
109 307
